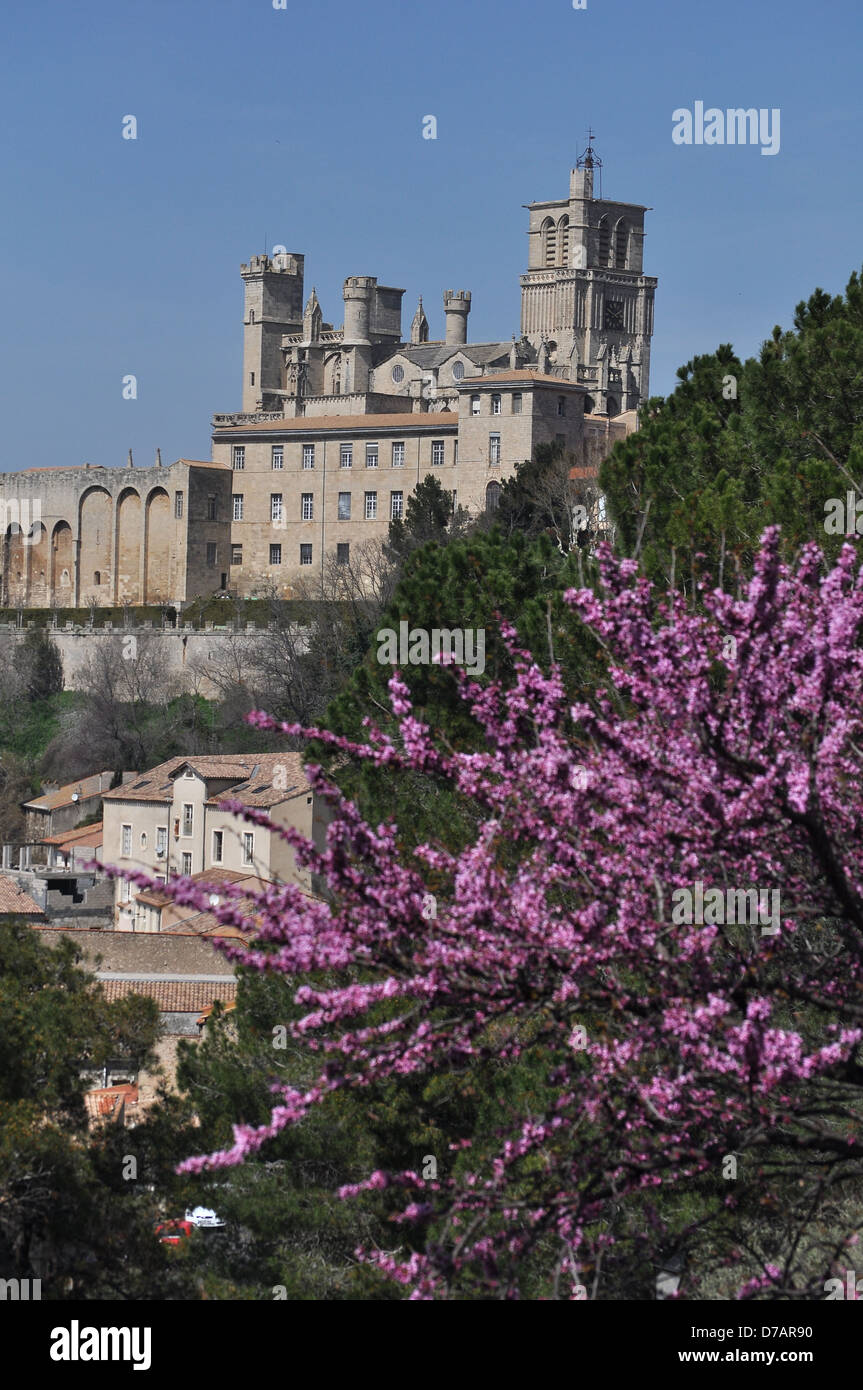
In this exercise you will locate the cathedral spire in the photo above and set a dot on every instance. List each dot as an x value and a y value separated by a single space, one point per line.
420 325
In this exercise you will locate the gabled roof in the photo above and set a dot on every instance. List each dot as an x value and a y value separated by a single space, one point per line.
14 900
85 787
435 354
80 836
253 775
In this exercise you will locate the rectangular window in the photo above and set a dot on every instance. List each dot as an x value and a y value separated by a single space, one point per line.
474 405
495 404
308 455
307 506
306 553
237 506
398 455
516 402
236 554
248 847
275 554
396 504
188 818
278 459
346 456
178 505
454 501
494 448
239 456
455 452
161 841
211 553
371 456
343 553
371 510
127 841
276 509
187 865
561 405
251 378
344 506
218 845
125 891
211 508
437 452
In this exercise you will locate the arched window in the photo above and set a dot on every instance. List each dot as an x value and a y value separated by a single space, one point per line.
604 241
612 407
563 240
549 242
621 239
492 497
588 405
97 577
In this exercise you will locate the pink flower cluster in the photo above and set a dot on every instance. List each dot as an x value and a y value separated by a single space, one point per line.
687 764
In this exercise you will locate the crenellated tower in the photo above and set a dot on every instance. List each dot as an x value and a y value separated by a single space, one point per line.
273 307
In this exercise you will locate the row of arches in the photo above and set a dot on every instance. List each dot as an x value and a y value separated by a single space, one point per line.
119 550
612 244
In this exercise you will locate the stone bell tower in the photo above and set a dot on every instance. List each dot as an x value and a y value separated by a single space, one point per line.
586 305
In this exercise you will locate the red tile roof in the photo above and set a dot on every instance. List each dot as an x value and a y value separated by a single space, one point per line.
251 773
108 1101
14 900
85 787
172 996
78 836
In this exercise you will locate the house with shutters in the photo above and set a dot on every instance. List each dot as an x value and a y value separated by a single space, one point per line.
170 823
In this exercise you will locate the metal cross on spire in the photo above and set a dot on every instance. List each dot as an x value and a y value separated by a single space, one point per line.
589 159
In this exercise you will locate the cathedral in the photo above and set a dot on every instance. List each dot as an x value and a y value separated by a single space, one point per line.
586 317
339 425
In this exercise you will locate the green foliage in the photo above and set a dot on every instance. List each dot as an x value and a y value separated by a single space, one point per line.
428 517
737 447
43 665
470 583
67 1214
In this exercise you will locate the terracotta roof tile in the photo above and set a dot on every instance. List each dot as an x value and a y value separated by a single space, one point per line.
14 900
79 836
252 773
172 996
85 787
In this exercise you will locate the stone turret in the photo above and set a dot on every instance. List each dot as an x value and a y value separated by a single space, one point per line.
456 307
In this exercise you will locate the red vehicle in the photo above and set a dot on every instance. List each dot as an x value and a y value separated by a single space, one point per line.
172 1232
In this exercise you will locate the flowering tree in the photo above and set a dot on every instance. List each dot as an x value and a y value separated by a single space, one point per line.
674 1054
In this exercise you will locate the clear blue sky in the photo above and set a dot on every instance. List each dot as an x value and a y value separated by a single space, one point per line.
304 126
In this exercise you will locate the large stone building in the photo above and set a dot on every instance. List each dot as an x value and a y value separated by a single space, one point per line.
338 426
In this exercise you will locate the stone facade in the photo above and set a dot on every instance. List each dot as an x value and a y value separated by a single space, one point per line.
168 821
339 425
107 536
